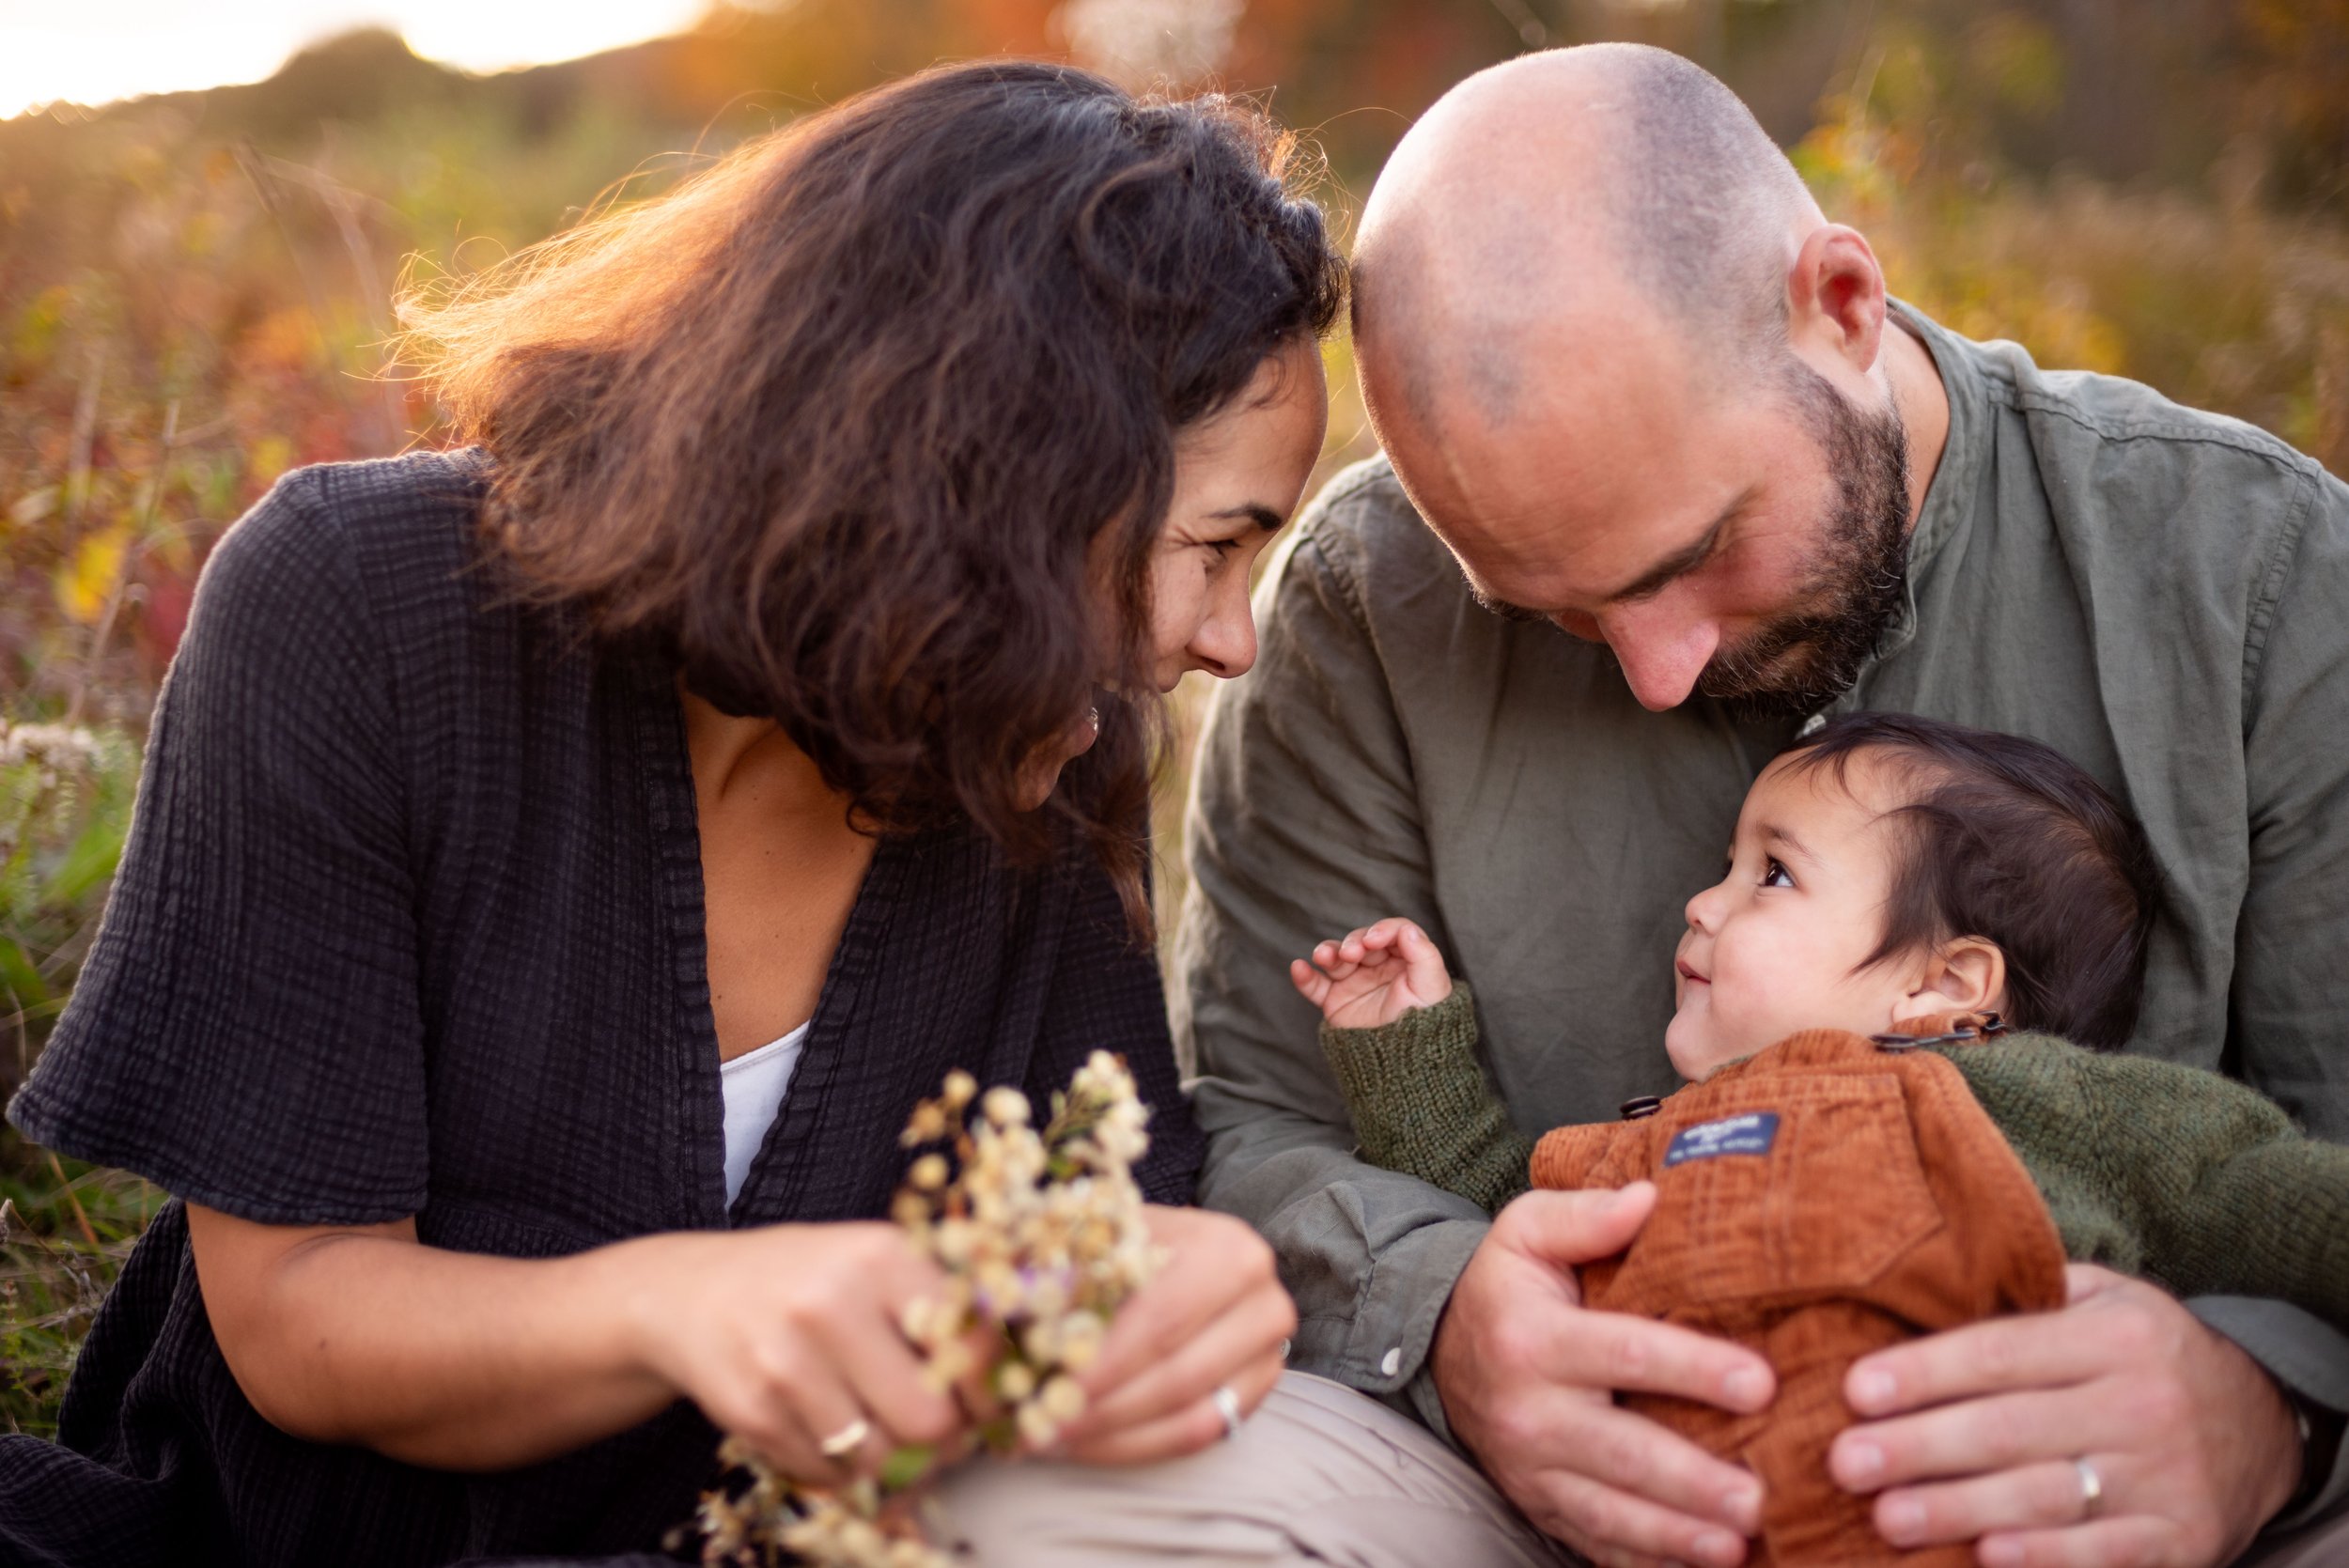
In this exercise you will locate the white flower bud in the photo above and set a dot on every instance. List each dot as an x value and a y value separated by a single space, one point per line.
1063 1398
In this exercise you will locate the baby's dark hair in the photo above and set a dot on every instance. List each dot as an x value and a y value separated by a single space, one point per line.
2011 842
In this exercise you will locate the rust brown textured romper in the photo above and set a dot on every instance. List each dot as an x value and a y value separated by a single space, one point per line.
1818 1201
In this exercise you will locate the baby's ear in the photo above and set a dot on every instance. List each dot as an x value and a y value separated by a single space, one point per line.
1967 974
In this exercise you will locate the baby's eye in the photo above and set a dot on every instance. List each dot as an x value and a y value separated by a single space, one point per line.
1775 875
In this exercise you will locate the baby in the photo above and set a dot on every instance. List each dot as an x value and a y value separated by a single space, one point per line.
1896 1012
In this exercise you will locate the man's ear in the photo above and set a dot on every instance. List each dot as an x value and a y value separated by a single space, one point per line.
1963 975
1835 296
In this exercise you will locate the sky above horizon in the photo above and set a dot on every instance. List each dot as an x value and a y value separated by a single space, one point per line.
103 50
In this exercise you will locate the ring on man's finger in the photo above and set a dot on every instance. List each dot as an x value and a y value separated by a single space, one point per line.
1226 1405
846 1440
2091 1488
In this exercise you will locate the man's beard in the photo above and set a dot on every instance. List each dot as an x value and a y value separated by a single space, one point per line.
1853 584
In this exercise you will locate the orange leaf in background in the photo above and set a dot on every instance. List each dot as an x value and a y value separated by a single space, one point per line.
285 339
87 580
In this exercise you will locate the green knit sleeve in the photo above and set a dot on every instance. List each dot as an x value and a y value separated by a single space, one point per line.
1421 1104
2216 1190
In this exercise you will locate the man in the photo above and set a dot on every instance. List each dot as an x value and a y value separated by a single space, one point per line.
1669 477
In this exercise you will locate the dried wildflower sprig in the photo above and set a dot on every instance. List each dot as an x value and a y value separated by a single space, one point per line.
1040 1236
45 773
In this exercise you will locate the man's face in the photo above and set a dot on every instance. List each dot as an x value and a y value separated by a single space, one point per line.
1742 537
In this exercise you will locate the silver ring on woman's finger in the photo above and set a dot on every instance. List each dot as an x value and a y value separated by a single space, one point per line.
846 1440
2091 1488
1226 1405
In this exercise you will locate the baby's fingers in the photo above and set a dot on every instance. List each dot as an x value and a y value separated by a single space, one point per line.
1309 982
1392 932
1423 963
1330 957
1371 944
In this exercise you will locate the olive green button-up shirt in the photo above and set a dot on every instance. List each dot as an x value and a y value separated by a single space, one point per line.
2161 594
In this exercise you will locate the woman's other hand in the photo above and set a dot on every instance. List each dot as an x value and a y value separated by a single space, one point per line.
787 1337
1215 1316
1370 977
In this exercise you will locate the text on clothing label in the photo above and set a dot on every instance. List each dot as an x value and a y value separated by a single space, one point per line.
1750 1134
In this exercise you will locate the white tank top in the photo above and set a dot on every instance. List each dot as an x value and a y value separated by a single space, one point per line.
754 1085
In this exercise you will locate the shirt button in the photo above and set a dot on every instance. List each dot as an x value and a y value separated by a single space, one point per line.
1392 1364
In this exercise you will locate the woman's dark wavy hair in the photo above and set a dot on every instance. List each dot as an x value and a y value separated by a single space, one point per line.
863 419
2010 840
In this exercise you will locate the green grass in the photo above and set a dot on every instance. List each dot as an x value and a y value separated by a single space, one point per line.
65 1230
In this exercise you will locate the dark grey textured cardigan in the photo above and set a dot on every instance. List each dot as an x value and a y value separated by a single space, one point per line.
411 924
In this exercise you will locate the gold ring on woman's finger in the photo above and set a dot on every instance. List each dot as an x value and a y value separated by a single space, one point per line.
846 1440
2091 1488
1226 1405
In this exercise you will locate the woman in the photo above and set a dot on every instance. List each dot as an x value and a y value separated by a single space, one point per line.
755 717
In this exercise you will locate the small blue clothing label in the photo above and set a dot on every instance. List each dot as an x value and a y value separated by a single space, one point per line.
1750 1134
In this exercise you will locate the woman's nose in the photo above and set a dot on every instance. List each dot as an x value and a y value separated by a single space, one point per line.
1225 644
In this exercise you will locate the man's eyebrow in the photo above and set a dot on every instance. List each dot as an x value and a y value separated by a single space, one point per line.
1500 607
1659 576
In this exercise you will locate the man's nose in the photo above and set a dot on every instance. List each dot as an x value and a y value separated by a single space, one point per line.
1661 654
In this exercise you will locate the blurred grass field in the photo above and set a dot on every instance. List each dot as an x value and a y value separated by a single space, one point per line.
194 291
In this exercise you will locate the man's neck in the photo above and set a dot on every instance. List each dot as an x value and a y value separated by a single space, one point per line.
1923 405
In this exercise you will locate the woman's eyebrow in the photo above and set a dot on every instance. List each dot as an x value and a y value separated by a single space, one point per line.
1257 512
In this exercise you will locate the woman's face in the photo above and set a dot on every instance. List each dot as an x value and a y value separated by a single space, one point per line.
1238 473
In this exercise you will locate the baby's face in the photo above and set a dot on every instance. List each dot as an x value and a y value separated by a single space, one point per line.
1777 944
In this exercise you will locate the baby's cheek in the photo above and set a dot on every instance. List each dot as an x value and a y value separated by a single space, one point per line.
1753 1011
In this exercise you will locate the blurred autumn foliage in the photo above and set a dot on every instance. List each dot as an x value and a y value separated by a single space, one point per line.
195 290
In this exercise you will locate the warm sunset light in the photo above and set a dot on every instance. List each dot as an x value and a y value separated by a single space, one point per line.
122 48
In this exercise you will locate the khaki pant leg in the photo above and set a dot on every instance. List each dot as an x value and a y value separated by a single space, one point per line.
1319 1474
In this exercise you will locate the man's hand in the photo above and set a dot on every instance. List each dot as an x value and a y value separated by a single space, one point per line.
1371 976
2193 1447
1528 1377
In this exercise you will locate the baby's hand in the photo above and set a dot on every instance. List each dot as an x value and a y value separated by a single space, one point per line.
1373 976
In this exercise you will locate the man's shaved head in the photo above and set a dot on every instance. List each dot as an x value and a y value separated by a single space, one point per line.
1633 378
1569 178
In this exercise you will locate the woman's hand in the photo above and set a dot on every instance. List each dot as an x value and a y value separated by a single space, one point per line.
787 1337
1215 1316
